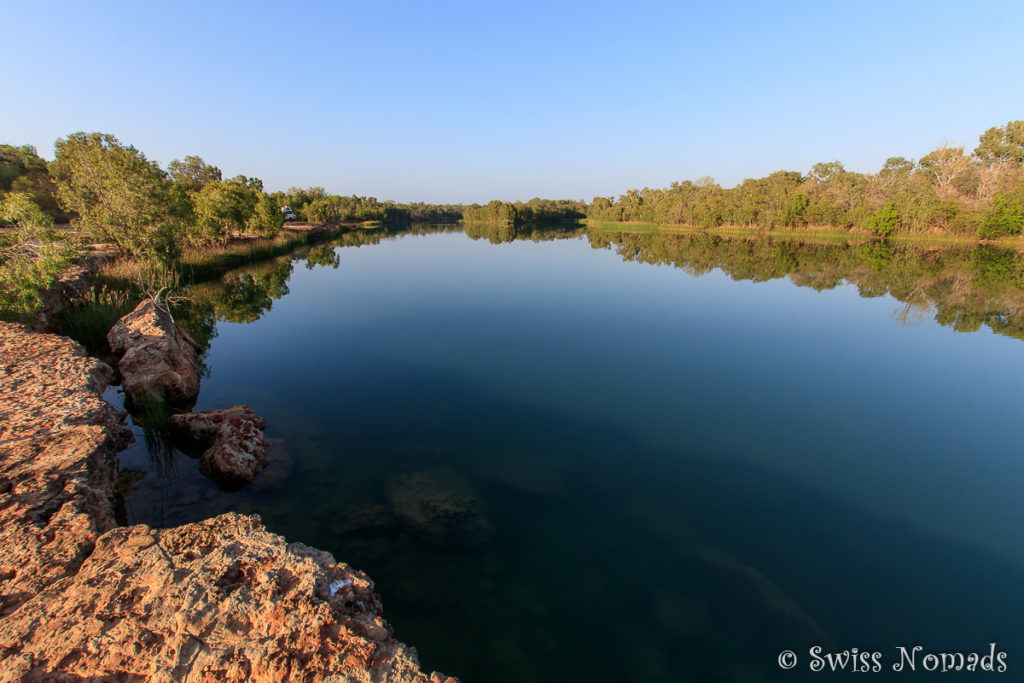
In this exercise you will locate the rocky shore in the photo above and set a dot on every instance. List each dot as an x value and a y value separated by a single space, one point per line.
218 600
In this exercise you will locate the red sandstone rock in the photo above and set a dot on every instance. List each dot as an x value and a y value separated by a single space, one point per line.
57 467
221 600
48 384
73 284
159 358
237 447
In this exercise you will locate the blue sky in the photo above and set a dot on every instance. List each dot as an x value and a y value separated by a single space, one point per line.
460 102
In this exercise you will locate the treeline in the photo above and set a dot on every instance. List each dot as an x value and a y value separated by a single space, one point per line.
979 193
535 211
315 205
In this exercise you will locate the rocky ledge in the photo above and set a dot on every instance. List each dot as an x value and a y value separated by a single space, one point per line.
219 600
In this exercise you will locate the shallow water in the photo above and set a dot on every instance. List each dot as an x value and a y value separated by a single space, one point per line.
664 473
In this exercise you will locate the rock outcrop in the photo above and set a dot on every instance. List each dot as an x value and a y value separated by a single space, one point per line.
159 360
74 283
221 600
439 507
235 447
58 438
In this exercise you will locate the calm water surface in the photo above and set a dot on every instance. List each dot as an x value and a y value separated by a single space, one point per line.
661 476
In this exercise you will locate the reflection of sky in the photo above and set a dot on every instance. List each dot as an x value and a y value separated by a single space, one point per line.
918 423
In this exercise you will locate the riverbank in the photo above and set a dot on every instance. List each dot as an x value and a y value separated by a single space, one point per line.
221 599
200 263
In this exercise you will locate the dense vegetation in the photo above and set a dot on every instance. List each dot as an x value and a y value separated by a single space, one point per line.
979 194
114 195
535 211
315 205
111 193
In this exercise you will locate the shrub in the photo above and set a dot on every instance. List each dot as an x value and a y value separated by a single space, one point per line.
885 221
1005 217
32 255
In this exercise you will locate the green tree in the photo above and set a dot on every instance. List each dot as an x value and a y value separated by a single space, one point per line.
1002 144
120 196
825 171
1005 217
266 219
885 221
32 254
23 170
222 207
193 174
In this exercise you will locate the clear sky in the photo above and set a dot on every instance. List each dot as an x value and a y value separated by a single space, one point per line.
459 102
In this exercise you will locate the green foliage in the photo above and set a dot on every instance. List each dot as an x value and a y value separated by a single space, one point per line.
1005 217
222 207
32 254
23 171
535 211
335 209
193 174
120 197
420 212
88 321
298 198
946 190
794 213
1004 144
826 171
266 219
885 221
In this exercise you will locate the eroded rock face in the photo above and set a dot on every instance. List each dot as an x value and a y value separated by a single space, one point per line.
440 507
48 384
73 284
221 600
58 438
158 358
236 448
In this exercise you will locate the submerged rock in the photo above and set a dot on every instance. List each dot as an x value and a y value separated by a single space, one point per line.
277 470
158 358
220 600
367 519
440 507
236 448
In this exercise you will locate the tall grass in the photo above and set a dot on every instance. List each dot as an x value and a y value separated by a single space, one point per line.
88 320
197 264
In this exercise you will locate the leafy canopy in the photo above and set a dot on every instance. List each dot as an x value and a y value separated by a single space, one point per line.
120 196
32 254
